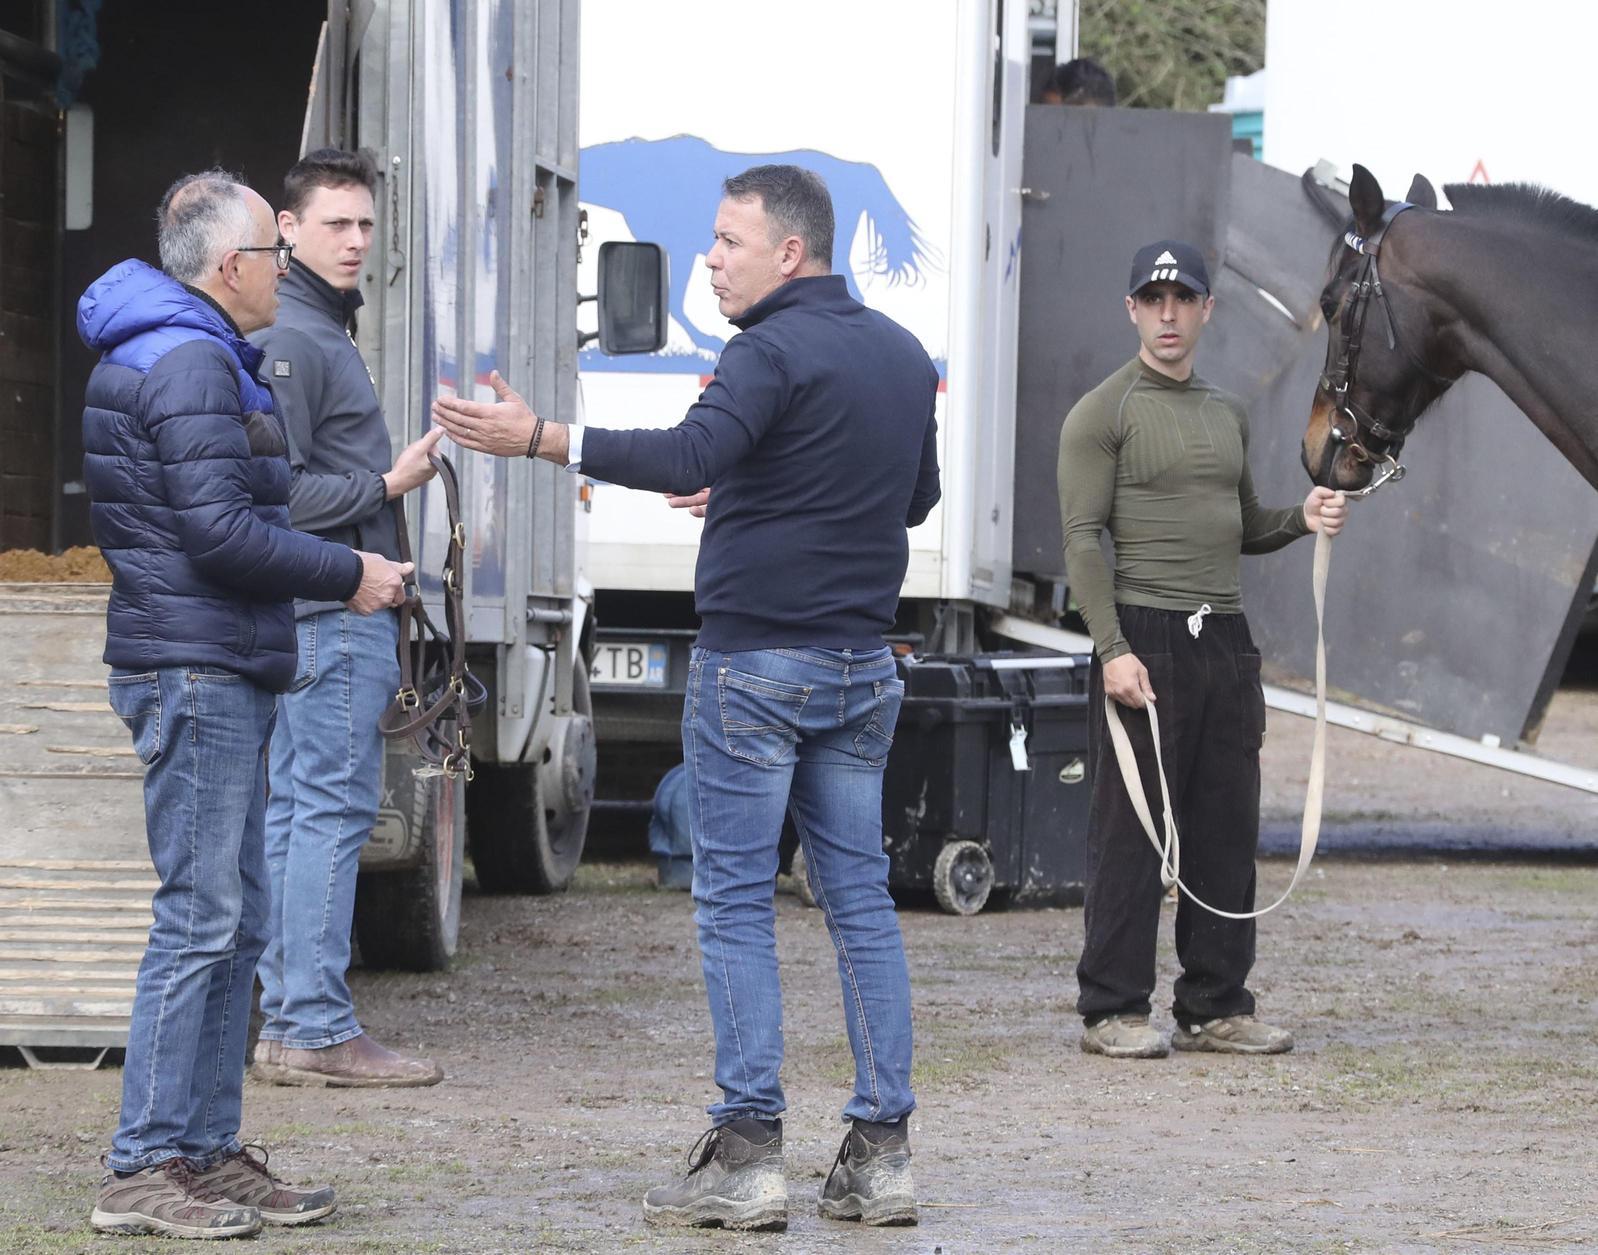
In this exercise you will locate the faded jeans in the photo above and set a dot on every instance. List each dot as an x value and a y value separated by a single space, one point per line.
326 773
806 731
201 733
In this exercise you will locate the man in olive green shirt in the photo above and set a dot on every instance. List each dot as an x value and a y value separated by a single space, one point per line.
1160 459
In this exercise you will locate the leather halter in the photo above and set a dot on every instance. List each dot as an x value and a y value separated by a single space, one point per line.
1338 381
436 689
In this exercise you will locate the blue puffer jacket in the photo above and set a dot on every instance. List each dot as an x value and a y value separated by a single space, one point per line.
188 482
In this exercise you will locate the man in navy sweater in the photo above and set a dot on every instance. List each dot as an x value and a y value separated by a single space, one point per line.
811 451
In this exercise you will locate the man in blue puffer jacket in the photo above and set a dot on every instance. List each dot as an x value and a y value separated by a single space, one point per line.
189 485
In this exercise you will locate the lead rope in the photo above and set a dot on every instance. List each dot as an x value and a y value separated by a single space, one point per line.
1170 850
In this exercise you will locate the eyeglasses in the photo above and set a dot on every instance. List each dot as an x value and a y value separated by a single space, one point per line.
282 252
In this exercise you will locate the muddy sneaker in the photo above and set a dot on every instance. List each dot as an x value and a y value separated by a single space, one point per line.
870 1181
169 1199
267 1062
734 1180
243 1178
1125 1037
359 1063
1233 1035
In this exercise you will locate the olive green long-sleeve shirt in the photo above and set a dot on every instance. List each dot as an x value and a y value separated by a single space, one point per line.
1164 465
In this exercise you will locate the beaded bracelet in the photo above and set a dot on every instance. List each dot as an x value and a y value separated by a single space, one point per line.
538 434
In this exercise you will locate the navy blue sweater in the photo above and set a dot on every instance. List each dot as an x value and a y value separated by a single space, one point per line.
817 438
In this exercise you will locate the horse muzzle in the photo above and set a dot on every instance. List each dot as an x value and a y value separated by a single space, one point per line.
1332 453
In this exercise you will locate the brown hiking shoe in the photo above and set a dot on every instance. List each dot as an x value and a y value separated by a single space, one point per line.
1233 1035
267 1061
171 1200
1124 1037
243 1178
359 1063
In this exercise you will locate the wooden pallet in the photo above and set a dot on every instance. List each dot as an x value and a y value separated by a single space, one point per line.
75 873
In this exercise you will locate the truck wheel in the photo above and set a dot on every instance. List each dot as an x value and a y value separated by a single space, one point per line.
527 822
410 918
962 878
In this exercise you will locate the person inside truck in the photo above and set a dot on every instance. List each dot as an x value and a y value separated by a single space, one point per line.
817 434
1159 458
188 490
1082 81
327 754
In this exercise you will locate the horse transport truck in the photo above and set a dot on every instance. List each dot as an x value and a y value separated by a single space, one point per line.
469 109
999 233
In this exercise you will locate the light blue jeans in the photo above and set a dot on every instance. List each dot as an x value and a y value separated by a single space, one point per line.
201 733
806 731
326 773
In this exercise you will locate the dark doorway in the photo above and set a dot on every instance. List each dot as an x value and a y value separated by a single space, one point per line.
179 86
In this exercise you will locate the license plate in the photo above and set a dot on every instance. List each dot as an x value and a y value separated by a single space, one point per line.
638 664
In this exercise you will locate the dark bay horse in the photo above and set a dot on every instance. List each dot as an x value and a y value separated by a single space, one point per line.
1504 284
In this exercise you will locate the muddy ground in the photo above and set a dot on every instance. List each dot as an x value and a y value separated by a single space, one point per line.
1440 1099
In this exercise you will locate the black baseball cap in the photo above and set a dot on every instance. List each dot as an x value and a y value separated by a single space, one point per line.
1170 260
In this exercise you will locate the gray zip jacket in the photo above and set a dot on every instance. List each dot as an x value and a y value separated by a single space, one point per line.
338 442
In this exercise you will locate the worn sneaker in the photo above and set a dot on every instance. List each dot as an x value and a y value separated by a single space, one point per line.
170 1199
1125 1037
734 1180
1233 1035
243 1178
266 1064
870 1181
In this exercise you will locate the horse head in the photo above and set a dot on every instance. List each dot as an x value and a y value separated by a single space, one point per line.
1380 377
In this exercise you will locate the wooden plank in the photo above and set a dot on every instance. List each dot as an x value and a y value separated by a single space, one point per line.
14 954
60 684
150 885
65 1006
76 903
120 971
79 864
99 708
83 921
132 934
72 775
101 751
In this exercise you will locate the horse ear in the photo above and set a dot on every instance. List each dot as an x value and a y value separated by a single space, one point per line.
1366 200
1422 193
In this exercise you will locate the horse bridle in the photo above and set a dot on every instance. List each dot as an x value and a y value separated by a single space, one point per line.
437 692
1337 382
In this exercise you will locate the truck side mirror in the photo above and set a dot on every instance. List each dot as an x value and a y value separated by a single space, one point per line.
633 279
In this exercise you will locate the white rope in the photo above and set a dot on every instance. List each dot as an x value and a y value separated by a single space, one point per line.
1170 850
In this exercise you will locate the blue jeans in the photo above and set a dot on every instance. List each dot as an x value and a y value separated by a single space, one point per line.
201 733
326 773
807 731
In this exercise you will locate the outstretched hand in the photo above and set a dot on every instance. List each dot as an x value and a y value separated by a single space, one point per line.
503 427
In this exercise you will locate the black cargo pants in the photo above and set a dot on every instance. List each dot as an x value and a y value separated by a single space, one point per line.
1212 720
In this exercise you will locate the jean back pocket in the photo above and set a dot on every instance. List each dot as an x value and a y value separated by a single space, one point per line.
137 702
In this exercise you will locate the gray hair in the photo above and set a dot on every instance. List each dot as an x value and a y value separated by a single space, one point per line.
201 217
796 201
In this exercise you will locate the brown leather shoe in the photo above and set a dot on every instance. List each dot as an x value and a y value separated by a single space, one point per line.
267 1061
359 1063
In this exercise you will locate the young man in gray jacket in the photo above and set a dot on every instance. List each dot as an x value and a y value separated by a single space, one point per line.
327 755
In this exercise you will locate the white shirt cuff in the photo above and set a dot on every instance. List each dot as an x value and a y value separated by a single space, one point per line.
574 448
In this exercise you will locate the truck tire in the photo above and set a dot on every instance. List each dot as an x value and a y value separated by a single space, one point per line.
962 878
527 822
409 918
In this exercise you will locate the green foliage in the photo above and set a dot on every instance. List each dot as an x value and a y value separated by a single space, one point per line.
1172 54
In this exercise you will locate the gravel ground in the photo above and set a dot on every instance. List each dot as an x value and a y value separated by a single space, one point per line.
1440 1098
